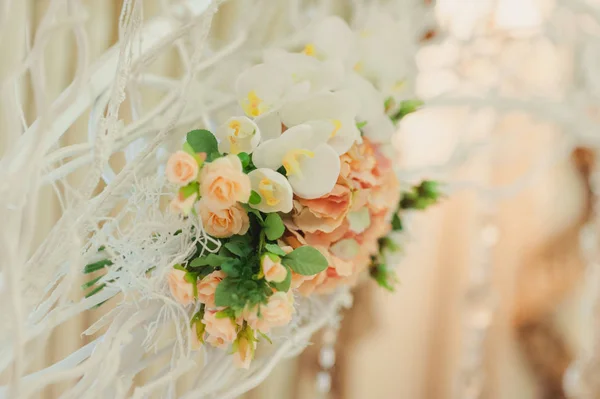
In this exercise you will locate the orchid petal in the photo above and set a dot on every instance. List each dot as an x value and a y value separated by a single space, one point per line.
260 88
379 129
274 189
320 106
269 124
318 174
270 154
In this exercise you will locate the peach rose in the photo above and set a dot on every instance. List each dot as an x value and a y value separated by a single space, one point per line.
183 206
308 284
207 287
217 342
182 168
223 222
272 268
182 291
221 331
324 214
245 353
276 313
223 183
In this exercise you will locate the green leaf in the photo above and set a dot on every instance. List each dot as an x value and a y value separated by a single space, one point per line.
273 226
275 249
254 198
396 222
244 158
213 260
87 285
213 155
92 267
203 141
188 148
226 293
306 261
192 278
265 336
360 125
189 190
238 248
95 290
179 267
284 286
230 267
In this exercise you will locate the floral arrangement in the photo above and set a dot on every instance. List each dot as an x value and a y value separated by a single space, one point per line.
297 190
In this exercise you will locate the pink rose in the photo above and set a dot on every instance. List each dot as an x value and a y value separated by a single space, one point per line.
183 206
272 268
224 222
207 287
276 313
221 330
323 214
223 183
182 168
245 353
182 291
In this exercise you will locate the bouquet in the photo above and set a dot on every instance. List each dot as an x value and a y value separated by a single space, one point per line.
297 192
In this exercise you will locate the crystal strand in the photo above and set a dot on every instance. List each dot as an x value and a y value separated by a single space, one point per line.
478 305
582 378
327 357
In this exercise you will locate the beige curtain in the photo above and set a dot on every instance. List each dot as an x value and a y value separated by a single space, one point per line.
406 344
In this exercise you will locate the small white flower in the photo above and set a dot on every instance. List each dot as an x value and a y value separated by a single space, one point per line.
312 167
238 134
274 189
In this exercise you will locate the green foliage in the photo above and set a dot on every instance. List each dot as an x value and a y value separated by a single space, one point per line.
189 190
305 260
406 107
92 267
385 277
360 125
237 293
396 222
244 159
213 260
273 226
203 141
254 198
275 249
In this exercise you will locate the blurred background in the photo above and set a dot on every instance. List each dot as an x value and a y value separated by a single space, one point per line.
493 300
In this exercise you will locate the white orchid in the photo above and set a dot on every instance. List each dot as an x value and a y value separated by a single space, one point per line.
312 166
331 116
238 134
305 69
378 128
261 90
331 39
274 189
382 43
